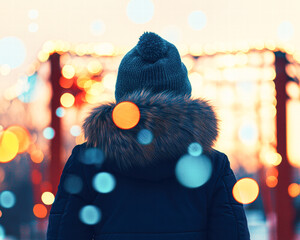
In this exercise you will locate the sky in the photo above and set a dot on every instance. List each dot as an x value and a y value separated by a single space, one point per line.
26 25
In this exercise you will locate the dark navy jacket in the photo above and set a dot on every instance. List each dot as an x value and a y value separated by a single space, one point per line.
148 202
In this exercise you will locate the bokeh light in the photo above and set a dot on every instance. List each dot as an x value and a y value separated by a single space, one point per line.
195 149
245 190
140 11
9 146
144 136
68 71
294 190
37 156
65 82
193 172
285 31
31 87
197 20
33 27
33 14
39 210
73 184
97 27
7 199
49 133
60 112
248 132
90 215
94 67
2 233
23 137
67 100
12 52
92 156
5 69
126 115
271 181
75 130
104 182
47 198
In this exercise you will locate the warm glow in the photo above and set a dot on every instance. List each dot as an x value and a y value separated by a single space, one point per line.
47 198
37 156
294 190
23 137
293 132
94 67
9 146
40 211
65 83
188 62
67 100
272 172
68 71
81 81
126 115
271 181
43 56
245 190
270 157
292 90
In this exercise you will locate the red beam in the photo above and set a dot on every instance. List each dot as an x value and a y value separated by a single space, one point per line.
284 205
55 167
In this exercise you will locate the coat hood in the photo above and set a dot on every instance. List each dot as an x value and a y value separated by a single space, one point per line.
174 121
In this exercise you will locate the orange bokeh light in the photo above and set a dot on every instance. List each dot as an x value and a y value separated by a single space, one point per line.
271 181
23 136
272 172
245 190
126 115
65 83
37 156
40 211
294 190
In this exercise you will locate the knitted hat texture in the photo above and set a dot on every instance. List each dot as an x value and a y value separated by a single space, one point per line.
153 64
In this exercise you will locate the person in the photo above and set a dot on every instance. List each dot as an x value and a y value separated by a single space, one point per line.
126 184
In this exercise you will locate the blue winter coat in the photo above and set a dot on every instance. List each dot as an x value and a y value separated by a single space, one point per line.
148 202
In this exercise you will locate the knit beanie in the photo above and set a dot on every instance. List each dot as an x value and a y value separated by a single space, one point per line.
153 64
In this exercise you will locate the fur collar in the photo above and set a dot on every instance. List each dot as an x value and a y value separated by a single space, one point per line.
175 121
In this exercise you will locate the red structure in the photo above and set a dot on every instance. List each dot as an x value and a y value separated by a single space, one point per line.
55 166
284 205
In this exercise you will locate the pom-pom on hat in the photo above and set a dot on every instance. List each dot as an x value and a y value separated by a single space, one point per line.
153 64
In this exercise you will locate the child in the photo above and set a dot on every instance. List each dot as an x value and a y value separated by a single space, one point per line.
137 183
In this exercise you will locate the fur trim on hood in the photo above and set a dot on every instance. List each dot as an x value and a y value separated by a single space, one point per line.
175 122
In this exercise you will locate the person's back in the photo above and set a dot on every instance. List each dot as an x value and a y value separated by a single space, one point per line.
133 191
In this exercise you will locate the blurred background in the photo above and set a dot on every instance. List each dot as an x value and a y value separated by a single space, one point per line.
58 59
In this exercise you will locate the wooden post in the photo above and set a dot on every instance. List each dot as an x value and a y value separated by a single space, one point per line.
284 205
55 167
